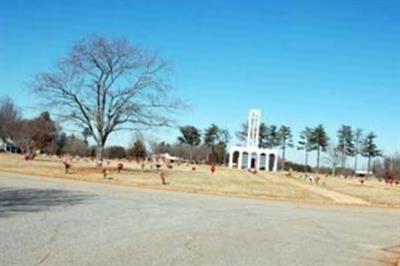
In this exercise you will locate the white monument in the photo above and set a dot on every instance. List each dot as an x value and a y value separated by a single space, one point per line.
251 156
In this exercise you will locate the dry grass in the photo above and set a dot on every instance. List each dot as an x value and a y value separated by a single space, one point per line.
378 193
375 192
224 182
180 178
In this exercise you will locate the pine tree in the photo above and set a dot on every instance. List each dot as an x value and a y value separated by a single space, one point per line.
286 140
306 143
138 150
214 137
190 136
320 141
370 149
263 136
241 135
345 143
272 137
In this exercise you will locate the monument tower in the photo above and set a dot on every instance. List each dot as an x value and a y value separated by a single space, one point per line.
253 128
252 156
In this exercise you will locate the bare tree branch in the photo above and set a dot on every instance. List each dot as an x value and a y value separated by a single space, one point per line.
108 85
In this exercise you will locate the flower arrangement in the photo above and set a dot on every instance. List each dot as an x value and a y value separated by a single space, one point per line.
213 168
120 166
105 173
67 166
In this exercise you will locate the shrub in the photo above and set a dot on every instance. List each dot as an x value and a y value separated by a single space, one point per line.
115 152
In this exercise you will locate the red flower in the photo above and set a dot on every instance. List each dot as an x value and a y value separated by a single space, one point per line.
120 166
213 168
67 166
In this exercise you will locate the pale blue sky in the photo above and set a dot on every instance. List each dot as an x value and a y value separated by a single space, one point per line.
301 62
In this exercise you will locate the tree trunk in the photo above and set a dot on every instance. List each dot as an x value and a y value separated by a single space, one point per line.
343 163
212 154
334 170
283 158
306 162
318 158
369 165
191 153
355 164
99 154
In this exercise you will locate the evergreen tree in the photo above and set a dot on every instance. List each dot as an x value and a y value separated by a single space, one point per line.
272 137
43 131
60 143
320 141
286 140
263 136
307 144
213 137
370 149
161 147
138 150
190 136
345 143
241 135
115 152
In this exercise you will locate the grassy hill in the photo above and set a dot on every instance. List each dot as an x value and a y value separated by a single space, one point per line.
229 182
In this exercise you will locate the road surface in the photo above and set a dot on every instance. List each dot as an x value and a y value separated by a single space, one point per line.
60 222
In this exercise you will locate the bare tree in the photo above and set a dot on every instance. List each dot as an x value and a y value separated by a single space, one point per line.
333 157
358 139
9 118
107 85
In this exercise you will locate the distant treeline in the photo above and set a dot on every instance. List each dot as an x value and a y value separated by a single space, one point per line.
44 134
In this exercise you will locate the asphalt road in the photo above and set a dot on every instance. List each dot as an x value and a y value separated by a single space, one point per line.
51 222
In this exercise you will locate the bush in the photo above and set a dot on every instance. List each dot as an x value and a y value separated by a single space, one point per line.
389 166
138 150
296 167
115 152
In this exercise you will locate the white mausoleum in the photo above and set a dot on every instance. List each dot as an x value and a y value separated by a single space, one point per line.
251 156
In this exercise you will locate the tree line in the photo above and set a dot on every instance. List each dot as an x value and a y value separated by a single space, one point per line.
214 138
29 134
43 134
350 143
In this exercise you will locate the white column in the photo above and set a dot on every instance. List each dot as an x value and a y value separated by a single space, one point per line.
231 158
276 163
239 164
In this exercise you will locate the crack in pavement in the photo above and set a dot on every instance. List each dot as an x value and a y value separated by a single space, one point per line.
188 246
49 243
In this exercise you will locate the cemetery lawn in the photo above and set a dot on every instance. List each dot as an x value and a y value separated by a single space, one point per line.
226 182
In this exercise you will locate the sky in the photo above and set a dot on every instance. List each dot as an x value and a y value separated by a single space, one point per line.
301 63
